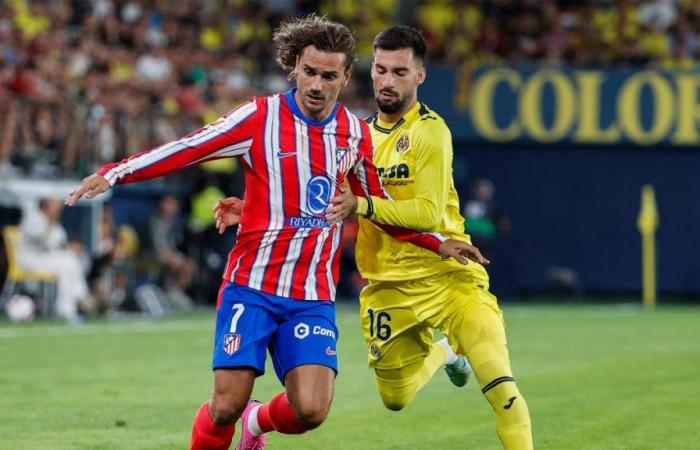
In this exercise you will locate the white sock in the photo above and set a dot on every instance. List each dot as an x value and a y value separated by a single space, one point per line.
451 355
253 426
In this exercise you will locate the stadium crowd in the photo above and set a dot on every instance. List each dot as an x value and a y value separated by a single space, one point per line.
83 82
86 82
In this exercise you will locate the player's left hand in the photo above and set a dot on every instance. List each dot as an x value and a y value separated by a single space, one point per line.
342 206
91 186
462 252
227 212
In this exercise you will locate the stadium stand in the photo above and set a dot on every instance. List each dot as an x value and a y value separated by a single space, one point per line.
82 83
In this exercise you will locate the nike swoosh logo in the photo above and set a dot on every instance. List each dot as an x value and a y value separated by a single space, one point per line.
281 155
330 351
510 403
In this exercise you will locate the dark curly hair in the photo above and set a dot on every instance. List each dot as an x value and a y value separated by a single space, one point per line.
399 37
294 35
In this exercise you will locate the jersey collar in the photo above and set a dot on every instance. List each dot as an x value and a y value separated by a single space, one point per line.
386 127
289 97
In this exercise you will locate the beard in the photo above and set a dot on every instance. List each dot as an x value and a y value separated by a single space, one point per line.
391 107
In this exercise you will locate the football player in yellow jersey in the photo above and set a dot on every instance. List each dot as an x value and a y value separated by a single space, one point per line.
412 291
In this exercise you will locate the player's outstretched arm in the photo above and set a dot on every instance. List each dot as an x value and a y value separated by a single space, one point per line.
91 186
229 136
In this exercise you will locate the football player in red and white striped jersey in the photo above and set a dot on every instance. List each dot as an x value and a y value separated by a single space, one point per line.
298 149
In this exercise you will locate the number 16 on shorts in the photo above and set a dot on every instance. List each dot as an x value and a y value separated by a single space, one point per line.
379 324
232 340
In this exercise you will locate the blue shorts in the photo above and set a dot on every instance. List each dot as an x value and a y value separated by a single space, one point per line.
296 332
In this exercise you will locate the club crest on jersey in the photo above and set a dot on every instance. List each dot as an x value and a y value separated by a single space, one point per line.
232 342
375 351
344 158
402 144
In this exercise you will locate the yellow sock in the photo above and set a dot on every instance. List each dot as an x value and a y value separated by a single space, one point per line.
398 387
482 336
512 416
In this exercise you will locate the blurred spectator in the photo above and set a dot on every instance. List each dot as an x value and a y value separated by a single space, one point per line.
166 238
44 247
83 82
87 82
484 221
112 264
205 245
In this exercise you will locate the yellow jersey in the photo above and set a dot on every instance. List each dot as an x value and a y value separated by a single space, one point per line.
414 161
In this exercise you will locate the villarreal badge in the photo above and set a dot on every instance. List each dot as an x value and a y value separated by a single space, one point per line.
402 143
232 342
375 351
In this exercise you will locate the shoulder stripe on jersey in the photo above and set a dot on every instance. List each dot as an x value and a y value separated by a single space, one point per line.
423 109
212 131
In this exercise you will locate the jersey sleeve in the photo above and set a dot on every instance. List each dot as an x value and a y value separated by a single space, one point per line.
365 183
229 136
432 147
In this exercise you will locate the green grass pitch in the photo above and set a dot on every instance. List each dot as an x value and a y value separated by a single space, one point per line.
595 377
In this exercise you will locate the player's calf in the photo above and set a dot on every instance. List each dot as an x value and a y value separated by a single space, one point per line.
498 386
208 435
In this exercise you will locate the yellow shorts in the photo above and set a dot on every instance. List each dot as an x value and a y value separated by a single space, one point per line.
398 317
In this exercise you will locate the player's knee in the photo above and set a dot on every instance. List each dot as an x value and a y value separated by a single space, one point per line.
396 391
395 403
225 411
310 414
395 395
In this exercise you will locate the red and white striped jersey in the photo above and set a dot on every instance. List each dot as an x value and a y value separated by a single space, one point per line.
293 166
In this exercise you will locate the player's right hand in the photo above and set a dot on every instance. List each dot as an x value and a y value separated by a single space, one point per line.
227 212
462 252
91 186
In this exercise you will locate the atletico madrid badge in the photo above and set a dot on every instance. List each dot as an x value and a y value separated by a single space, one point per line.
232 342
